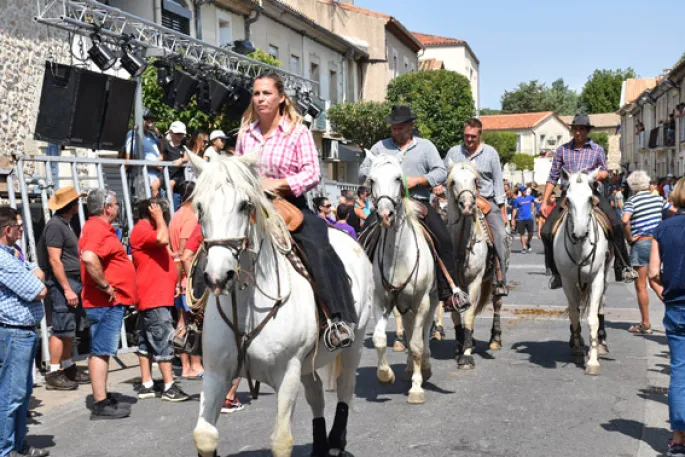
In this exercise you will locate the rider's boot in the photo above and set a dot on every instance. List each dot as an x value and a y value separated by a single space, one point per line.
500 287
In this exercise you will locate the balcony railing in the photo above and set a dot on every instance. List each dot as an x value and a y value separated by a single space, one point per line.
654 137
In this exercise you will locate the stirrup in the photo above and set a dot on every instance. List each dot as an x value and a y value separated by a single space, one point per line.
332 336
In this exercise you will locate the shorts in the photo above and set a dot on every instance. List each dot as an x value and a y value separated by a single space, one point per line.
639 253
105 328
522 226
156 332
180 303
66 320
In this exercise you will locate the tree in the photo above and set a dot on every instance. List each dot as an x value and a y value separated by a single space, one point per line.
535 96
489 111
362 123
503 142
523 161
602 91
601 139
440 99
561 99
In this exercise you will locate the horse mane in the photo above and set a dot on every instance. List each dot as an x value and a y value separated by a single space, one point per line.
411 207
461 166
241 174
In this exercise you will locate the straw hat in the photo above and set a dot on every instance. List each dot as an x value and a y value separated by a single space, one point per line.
63 197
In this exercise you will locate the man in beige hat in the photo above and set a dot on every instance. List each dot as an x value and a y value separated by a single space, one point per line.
58 257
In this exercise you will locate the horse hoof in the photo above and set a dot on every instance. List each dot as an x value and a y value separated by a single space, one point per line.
399 346
416 398
386 377
603 349
466 362
495 345
592 370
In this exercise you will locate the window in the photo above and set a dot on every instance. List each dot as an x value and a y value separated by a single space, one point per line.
470 74
295 64
542 142
225 34
333 87
314 72
394 62
559 137
406 65
518 142
176 16
273 50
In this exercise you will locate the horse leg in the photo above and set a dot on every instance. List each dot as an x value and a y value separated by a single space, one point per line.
466 361
596 296
458 334
337 439
426 370
416 347
400 341
313 392
576 341
286 392
380 341
602 333
496 331
220 362
439 333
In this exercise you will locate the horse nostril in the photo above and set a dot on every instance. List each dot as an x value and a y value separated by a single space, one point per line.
230 275
391 213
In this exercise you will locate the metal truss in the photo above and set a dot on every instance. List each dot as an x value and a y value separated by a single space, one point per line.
88 17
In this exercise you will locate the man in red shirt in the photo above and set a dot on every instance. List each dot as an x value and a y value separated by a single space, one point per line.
108 279
156 287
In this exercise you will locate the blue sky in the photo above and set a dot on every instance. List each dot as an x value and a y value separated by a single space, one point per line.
546 40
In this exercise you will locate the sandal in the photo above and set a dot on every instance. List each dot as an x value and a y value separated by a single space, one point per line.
640 329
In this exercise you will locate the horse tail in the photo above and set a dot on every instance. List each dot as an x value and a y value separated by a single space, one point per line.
334 369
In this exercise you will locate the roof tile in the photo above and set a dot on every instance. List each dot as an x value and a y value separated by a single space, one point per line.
517 121
435 40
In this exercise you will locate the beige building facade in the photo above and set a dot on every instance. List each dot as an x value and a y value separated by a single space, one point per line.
538 134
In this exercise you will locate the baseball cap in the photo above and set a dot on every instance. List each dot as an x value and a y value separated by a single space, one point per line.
522 188
217 134
177 127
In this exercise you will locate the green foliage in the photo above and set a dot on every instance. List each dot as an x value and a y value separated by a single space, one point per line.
489 111
602 91
503 142
681 60
523 161
601 139
441 100
265 57
362 123
535 96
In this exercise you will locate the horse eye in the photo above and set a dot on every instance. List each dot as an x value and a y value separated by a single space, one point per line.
244 205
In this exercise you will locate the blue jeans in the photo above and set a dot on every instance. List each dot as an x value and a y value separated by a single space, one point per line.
105 329
156 329
17 351
674 324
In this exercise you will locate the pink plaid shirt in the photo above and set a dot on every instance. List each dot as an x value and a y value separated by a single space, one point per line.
292 156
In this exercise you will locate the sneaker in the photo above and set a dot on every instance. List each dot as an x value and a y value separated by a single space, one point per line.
108 409
675 450
147 392
174 394
30 451
231 406
76 375
58 380
524 251
530 249
555 283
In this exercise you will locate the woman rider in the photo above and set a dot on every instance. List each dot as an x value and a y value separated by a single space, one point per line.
289 165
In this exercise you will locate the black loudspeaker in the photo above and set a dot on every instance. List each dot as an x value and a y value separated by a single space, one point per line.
180 91
238 102
120 96
71 106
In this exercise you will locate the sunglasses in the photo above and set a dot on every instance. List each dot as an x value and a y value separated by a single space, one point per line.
327 206
18 224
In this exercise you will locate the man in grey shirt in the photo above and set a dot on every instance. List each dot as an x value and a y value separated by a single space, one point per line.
424 169
486 160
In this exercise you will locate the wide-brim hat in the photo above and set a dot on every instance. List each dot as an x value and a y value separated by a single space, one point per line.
581 120
63 197
400 114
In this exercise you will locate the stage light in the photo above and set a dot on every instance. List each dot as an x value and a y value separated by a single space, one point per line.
132 63
243 47
101 55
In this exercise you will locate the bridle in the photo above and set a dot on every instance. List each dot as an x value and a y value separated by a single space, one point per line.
588 259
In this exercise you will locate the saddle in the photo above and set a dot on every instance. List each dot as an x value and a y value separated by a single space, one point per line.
602 219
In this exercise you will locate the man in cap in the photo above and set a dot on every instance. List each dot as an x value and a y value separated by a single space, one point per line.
174 151
522 218
217 144
583 154
491 187
424 169
58 257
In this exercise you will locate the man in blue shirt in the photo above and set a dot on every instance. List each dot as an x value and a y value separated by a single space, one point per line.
21 289
522 218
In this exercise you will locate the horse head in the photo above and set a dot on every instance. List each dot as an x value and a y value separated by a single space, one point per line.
580 203
462 186
232 210
388 188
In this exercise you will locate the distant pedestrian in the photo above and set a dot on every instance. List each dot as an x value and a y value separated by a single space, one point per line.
642 215
21 289
362 207
108 279
323 209
341 215
667 278
522 218
156 287
352 219
58 257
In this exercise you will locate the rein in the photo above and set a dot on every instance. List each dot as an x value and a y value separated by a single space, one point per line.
590 258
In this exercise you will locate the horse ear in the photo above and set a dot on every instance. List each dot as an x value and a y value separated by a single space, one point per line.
449 164
592 177
564 174
197 162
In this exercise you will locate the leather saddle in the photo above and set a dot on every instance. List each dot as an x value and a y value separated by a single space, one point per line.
601 217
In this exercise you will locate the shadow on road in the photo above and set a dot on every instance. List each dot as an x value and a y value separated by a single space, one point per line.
657 394
40 441
656 438
299 450
547 354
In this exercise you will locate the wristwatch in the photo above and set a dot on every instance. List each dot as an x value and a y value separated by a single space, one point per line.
103 287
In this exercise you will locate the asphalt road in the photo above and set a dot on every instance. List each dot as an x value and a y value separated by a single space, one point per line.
527 400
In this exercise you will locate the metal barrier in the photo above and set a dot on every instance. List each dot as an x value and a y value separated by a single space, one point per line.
108 173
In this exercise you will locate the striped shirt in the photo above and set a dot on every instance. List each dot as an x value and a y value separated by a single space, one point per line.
646 212
18 290
588 158
288 154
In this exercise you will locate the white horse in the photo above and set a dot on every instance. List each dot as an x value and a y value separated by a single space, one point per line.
582 256
404 271
251 279
475 260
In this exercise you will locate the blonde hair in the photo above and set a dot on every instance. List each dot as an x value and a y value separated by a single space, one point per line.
677 196
287 109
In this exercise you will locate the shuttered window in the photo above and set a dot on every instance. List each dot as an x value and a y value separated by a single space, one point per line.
176 16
